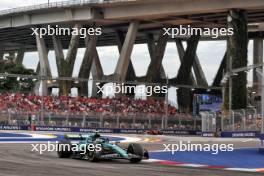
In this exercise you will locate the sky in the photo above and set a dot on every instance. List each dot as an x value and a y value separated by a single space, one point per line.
210 53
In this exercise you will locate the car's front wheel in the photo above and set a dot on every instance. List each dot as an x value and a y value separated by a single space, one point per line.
135 149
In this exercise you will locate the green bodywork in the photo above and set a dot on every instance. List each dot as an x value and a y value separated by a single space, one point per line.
84 140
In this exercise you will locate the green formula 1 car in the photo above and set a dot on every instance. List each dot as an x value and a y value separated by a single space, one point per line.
94 148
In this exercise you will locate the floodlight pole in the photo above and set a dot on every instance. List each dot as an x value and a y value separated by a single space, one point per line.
166 102
230 83
230 92
262 101
42 102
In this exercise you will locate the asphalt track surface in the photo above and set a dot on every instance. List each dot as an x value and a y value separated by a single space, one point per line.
19 160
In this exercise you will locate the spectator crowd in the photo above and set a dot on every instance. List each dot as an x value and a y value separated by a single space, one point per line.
79 105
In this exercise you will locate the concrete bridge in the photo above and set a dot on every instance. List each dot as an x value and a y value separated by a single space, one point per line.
128 22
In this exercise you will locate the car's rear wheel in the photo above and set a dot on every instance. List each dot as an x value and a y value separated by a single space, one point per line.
64 149
137 150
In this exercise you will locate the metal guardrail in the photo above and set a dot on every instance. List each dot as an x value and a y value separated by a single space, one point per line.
241 120
61 4
98 120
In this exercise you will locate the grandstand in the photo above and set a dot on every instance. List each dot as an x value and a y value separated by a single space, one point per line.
59 109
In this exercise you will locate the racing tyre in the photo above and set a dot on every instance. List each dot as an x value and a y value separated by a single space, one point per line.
135 149
64 149
92 156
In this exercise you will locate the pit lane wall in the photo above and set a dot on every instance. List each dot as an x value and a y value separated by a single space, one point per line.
232 134
236 134
102 130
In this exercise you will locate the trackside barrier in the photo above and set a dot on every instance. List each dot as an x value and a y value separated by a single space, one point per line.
261 148
236 134
241 134
208 124
241 120
208 121
102 130
208 134
11 127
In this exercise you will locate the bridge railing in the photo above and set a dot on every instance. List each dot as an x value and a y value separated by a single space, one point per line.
57 5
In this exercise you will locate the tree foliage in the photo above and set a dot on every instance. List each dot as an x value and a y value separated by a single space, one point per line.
12 83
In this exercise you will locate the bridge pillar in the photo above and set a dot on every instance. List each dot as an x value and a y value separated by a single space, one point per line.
153 73
2 52
97 73
151 48
157 53
220 72
237 57
125 54
183 77
87 62
198 71
38 67
199 77
257 59
20 56
131 75
37 84
181 53
124 69
184 94
65 65
44 64
36 88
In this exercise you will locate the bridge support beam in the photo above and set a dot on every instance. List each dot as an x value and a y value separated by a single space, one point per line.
151 48
131 75
44 63
38 67
198 71
87 62
37 85
237 57
199 77
97 73
181 53
125 54
184 93
20 56
153 73
183 77
220 72
2 52
257 59
65 65
156 53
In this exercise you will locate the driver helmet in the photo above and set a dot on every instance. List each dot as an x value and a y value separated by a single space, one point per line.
96 134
